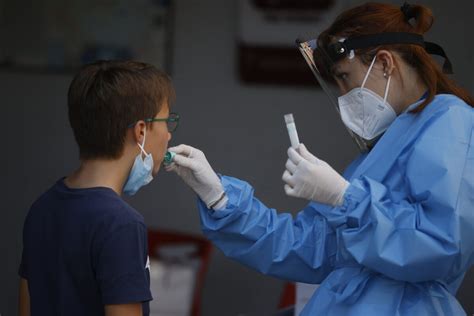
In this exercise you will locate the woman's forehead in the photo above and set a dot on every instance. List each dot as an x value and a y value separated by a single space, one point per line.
347 64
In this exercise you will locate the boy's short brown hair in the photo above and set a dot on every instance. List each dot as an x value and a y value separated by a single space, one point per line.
106 97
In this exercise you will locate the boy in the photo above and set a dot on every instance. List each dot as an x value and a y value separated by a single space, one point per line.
84 248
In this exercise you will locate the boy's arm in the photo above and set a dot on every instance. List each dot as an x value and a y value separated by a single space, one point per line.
24 299
121 269
134 309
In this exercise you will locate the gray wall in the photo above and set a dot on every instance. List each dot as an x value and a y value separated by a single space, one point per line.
240 128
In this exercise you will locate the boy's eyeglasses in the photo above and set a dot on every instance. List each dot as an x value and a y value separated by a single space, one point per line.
172 121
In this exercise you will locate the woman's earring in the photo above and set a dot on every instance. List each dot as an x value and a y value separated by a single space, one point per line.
385 75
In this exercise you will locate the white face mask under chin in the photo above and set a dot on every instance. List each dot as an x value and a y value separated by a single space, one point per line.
365 112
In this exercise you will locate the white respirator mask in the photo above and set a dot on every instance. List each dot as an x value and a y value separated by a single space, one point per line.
365 112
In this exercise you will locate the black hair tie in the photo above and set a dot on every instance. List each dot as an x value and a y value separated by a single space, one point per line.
408 11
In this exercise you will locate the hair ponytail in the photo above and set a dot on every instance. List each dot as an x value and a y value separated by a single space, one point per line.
422 15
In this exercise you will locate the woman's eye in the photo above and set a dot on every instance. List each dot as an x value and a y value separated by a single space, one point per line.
341 76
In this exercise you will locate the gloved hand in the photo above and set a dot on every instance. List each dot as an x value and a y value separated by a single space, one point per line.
192 166
310 178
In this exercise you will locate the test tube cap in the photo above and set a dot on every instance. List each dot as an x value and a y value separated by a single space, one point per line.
289 118
169 157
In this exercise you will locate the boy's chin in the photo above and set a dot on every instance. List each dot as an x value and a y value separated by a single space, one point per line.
156 170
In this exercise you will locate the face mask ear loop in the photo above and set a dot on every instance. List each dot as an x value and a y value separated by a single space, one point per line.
362 87
386 90
142 146
368 72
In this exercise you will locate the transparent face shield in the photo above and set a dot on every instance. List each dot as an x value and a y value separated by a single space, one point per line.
322 66
324 63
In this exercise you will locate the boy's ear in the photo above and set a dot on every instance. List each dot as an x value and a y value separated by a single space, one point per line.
139 132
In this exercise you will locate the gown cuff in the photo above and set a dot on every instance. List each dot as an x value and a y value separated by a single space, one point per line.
233 189
353 196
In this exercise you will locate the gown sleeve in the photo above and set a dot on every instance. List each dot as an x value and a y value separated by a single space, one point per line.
301 249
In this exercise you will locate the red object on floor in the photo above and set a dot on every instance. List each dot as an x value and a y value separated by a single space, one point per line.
204 249
288 297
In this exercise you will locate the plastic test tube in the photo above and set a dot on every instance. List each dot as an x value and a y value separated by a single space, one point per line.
290 125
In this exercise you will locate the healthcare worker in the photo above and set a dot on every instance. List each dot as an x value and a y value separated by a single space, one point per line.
394 234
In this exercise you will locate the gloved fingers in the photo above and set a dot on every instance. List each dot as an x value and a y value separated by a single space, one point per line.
171 167
294 156
288 178
184 150
289 190
303 151
290 166
185 162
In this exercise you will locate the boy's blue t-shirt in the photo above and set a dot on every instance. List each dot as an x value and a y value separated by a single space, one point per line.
83 249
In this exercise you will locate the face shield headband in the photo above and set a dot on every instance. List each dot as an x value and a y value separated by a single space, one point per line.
345 48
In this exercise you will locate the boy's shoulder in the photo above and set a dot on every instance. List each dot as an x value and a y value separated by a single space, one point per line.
92 206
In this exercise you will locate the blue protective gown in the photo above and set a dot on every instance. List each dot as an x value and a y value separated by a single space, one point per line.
401 242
